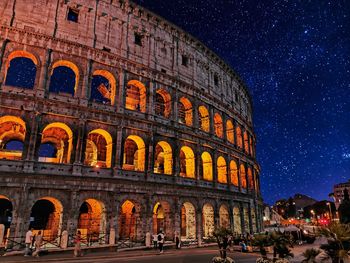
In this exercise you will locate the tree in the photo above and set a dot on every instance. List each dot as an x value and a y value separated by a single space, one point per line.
310 255
344 209
223 236
262 241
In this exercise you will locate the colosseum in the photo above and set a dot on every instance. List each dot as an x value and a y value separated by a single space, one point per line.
117 123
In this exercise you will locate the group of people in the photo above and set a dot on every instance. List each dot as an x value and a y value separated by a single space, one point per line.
159 240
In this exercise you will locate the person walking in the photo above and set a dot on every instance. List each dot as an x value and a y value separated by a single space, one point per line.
160 241
177 240
28 242
155 241
77 247
38 243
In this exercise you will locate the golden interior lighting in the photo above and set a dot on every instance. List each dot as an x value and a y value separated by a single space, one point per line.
127 221
246 143
207 166
239 137
185 112
187 162
134 154
250 178
243 177
92 219
163 103
109 94
135 96
234 173
163 160
204 121
230 131
218 125
222 170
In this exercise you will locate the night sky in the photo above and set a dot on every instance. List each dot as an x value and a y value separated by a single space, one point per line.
295 59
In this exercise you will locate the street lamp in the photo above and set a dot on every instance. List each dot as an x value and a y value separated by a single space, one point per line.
330 210
313 214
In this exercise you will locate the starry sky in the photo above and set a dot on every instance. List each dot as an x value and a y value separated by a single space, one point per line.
294 57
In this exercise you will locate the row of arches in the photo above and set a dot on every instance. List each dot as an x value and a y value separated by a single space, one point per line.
21 71
47 215
56 146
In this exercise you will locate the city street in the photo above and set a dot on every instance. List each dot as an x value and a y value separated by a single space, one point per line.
195 255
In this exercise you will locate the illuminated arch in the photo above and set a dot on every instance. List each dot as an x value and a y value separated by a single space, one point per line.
12 135
204 121
92 220
21 68
243 176
163 103
135 98
237 226
163 159
61 137
134 153
250 178
234 173
218 125
246 142
239 137
246 219
222 170
103 86
98 150
208 220
6 208
188 221
253 218
207 166
128 220
185 111
251 146
187 162
230 130
224 217
162 219
61 71
47 213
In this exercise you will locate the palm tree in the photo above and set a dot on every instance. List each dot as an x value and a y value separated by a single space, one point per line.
222 236
262 241
281 243
310 255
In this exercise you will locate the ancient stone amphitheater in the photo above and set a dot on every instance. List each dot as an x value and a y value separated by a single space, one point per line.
116 122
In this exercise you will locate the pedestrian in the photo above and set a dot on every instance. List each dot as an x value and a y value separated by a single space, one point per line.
177 240
77 247
155 241
28 242
160 241
38 244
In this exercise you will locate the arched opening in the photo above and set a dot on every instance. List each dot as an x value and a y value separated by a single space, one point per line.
237 220
218 125
46 215
208 220
253 216
162 219
188 221
204 121
246 143
21 68
12 135
251 146
103 87
234 173
5 215
222 170
98 150
230 131
92 220
135 96
257 187
134 154
250 179
207 166
163 103
64 77
56 143
246 219
185 112
163 158
128 221
224 217
187 162
243 176
239 137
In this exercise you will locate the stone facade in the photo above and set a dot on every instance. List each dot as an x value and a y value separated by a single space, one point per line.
170 145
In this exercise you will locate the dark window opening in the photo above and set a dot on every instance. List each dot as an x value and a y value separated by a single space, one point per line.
100 90
163 71
47 150
138 39
184 60
72 15
21 73
62 80
216 80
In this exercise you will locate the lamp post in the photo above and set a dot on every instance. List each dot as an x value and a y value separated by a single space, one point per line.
330 211
313 214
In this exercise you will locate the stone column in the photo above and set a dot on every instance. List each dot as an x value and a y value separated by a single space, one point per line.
80 146
199 168
199 226
215 168
32 143
42 88
151 91
195 114
211 122
176 157
120 99
241 211
235 133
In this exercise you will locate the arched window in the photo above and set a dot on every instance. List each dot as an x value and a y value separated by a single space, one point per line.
207 166
224 217
163 103
185 112
135 96
163 159
250 179
162 219
222 170
230 131
188 221
129 215
251 146
246 143
243 176
21 68
12 135
237 220
208 220
92 219
134 154
98 150
234 173
239 137
103 87
187 162
64 77
204 121
218 125
56 143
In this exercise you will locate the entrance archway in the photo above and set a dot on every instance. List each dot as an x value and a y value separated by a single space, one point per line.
162 220
188 221
5 214
208 220
224 217
246 219
163 159
237 220
46 215
128 221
